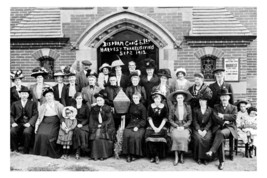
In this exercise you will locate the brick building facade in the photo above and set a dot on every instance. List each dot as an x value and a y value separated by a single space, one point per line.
181 37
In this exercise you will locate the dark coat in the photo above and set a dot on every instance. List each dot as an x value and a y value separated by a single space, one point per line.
136 116
83 115
107 129
202 121
30 113
112 92
230 114
174 117
131 90
69 100
154 81
81 80
204 90
88 95
124 82
63 94
216 91
14 96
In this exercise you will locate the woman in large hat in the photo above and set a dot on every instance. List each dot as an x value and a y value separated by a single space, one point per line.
202 133
103 76
16 78
180 118
60 87
156 133
150 79
199 89
37 89
122 80
101 128
47 126
180 83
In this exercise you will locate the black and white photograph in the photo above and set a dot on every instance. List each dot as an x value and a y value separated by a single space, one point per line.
133 88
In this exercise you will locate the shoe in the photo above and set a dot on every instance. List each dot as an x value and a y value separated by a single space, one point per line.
198 161
157 160
175 163
251 151
152 160
95 159
128 159
209 154
221 166
205 162
77 156
231 157
182 158
101 159
64 157
134 158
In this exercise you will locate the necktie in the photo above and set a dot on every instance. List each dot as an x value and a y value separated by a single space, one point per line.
99 116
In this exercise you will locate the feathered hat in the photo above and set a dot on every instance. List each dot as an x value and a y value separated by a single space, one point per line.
16 74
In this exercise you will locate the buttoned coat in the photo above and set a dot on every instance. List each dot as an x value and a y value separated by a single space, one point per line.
202 121
14 96
154 81
30 109
81 80
216 91
88 95
63 94
230 114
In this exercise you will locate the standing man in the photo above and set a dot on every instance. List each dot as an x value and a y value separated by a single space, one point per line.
218 86
60 87
71 87
121 78
224 119
23 117
81 79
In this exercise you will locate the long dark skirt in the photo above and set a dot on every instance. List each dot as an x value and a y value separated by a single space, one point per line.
81 138
133 142
201 145
101 148
46 137
180 140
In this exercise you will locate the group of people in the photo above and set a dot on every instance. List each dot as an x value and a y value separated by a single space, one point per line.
163 115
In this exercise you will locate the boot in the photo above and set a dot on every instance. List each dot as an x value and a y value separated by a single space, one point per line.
182 157
246 150
251 149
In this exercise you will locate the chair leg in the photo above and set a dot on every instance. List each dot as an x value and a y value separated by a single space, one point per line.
236 146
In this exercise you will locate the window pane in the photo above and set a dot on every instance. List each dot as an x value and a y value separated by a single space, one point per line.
208 64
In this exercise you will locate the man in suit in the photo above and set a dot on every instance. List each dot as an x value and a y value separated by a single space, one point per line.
89 91
224 119
71 87
217 86
81 79
23 117
60 87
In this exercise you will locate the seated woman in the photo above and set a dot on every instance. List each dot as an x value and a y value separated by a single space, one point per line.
180 118
47 126
156 133
133 135
81 131
101 128
202 134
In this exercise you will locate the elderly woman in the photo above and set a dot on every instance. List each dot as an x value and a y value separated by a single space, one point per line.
202 134
37 89
135 87
103 77
198 90
133 135
16 77
81 131
72 87
101 129
180 118
180 83
47 126
156 133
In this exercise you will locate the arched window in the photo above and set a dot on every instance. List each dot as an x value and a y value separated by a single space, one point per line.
208 64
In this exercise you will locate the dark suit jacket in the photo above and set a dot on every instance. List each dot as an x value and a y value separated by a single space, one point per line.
124 82
82 116
202 121
81 80
14 96
31 112
63 94
112 92
230 114
216 91
69 100
154 81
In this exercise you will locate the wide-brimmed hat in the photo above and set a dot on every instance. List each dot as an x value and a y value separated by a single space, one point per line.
117 62
102 93
180 70
86 62
48 90
157 92
238 102
218 70
150 63
39 71
173 95
25 89
164 72
69 71
59 73
134 73
224 91
91 73
200 75
105 65
16 74
72 109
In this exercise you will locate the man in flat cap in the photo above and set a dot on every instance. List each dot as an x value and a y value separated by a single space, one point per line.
81 79
217 86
